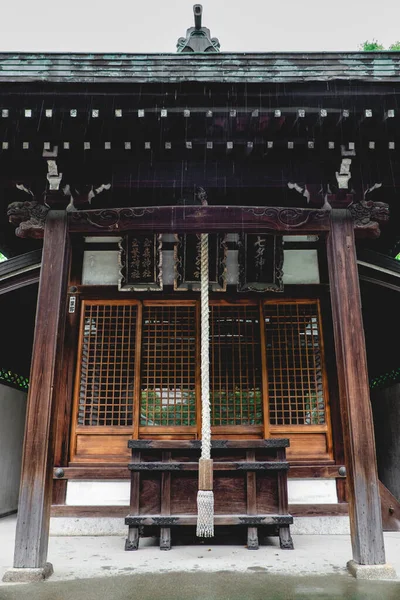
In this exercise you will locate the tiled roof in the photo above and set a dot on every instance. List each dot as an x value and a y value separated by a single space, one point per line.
223 67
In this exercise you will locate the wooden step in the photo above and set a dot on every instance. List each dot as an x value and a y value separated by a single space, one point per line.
217 466
215 444
175 520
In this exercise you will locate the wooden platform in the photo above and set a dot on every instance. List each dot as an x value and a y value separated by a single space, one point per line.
250 488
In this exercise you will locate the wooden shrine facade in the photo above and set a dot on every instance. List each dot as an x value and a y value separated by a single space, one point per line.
352 374
109 171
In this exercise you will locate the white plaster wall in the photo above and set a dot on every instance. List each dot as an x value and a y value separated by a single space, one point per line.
312 491
12 427
116 493
98 493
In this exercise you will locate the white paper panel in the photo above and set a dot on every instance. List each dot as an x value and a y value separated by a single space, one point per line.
232 267
300 238
300 267
100 267
102 240
168 267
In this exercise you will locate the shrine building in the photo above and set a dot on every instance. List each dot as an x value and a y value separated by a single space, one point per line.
201 246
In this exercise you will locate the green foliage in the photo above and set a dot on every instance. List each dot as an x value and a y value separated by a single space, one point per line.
237 407
315 410
154 411
228 408
14 380
375 46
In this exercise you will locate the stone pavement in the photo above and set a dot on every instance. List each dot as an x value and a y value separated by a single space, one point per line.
103 557
254 585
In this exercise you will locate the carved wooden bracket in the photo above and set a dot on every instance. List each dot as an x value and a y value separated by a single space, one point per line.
367 215
30 215
30 218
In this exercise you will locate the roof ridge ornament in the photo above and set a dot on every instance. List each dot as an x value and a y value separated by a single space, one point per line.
198 38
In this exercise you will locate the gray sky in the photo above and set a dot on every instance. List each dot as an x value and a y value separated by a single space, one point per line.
155 25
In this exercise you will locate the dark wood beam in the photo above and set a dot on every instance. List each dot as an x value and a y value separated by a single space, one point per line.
32 533
359 443
296 510
319 510
200 219
121 472
20 280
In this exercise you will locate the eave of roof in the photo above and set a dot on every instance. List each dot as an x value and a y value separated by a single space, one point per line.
222 68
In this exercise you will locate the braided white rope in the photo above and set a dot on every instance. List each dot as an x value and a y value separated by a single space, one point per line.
205 498
205 353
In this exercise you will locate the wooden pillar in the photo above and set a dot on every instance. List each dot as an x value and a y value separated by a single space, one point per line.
355 406
32 533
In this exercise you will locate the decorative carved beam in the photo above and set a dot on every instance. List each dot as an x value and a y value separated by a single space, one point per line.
200 219
30 217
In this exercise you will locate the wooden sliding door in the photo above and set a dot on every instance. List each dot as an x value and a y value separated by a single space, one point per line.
170 370
107 381
236 370
296 378
138 375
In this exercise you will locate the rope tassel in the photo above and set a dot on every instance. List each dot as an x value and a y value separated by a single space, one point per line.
205 495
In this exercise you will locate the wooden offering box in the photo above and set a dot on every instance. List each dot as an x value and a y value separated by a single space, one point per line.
250 488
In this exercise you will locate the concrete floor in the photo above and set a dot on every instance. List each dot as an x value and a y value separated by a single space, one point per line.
208 571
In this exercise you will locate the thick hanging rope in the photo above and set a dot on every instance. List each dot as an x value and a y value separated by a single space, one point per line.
205 495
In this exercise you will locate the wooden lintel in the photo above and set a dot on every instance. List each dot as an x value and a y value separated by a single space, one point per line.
200 219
